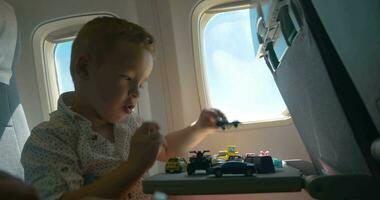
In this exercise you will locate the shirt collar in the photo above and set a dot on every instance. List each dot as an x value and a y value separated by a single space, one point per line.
65 102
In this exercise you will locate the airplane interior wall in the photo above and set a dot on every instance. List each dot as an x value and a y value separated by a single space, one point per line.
174 100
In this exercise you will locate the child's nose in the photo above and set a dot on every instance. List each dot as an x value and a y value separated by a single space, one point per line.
134 92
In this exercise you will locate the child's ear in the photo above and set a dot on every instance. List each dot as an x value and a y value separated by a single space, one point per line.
82 67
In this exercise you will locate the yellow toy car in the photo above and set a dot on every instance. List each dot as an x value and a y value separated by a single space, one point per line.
232 150
175 165
224 155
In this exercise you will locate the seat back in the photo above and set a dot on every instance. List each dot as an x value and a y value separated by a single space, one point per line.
13 126
320 93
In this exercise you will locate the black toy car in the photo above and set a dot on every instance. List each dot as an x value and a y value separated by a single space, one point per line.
234 167
264 164
226 124
199 161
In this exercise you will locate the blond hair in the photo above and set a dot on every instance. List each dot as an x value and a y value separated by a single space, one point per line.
100 35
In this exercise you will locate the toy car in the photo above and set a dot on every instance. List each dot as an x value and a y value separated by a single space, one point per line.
226 124
175 165
218 158
264 164
221 155
277 163
233 167
232 150
249 154
199 161
235 158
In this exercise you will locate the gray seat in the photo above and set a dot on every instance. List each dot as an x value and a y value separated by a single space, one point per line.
325 105
13 126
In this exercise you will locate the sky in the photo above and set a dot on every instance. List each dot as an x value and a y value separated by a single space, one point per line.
239 84
62 59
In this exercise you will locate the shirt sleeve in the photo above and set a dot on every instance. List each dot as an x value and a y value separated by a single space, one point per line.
50 165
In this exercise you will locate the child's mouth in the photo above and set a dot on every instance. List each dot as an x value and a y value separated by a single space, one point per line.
128 109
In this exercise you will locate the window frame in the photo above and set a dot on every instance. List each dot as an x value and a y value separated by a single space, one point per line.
44 40
202 13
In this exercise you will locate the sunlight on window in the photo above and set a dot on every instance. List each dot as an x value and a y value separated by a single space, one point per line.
238 83
62 62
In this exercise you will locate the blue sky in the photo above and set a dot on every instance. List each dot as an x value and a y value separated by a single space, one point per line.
62 59
239 84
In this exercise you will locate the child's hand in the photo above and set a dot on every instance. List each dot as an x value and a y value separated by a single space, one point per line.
145 145
13 188
208 118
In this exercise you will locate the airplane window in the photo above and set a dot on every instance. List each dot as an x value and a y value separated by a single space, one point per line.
238 82
62 56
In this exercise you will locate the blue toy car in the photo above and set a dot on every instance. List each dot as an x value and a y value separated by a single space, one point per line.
234 167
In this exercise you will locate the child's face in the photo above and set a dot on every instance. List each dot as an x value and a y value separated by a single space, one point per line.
113 85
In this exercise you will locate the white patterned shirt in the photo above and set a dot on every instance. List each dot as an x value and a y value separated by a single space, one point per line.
65 154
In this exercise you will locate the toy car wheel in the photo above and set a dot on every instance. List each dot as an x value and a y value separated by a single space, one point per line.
249 172
190 171
218 173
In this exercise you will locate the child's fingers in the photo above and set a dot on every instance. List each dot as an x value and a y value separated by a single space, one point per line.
156 135
153 132
212 116
163 148
149 127
164 143
220 114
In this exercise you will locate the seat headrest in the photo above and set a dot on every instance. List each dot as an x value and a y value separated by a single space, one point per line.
8 40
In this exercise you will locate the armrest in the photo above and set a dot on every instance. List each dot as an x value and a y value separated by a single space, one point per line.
306 168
